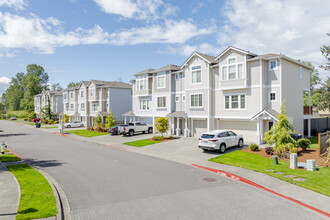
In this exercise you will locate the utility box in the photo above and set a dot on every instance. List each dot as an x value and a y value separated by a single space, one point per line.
61 127
311 165
293 161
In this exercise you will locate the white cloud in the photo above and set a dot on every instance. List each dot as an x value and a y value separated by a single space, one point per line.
196 9
296 28
186 50
16 4
138 9
4 84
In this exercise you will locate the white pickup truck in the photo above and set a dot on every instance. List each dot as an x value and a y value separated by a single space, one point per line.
135 127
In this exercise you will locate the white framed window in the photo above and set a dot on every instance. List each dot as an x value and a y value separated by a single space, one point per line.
224 73
82 93
177 98
161 102
67 106
144 104
95 107
71 106
231 60
82 105
184 98
161 80
272 97
273 65
91 93
177 76
196 100
183 75
236 101
64 96
196 74
142 82
239 71
232 70
71 94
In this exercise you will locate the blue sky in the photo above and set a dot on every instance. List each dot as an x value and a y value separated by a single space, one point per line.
113 39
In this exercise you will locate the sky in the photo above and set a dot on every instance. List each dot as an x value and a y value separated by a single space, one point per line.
76 40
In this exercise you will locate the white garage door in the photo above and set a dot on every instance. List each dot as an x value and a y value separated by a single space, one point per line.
147 120
200 126
246 128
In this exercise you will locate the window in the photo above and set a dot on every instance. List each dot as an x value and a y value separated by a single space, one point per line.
232 72
64 96
71 106
142 82
272 96
161 102
183 98
300 71
95 107
183 75
82 105
235 102
240 71
71 94
196 74
177 76
196 100
161 80
177 98
272 64
82 93
67 106
231 60
224 73
231 133
144 104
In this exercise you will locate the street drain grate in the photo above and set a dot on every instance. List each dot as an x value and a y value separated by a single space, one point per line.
209 179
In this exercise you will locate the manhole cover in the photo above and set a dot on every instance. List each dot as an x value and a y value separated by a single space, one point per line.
209 179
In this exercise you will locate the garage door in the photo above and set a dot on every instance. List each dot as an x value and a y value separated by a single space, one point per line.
147 120
246 128
200 126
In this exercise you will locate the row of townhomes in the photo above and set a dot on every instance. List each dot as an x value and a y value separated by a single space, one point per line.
237 90
55 98
89 99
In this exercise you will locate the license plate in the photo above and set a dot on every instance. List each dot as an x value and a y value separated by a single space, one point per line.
205 142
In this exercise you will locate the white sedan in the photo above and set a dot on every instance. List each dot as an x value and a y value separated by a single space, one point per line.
220 140
74 124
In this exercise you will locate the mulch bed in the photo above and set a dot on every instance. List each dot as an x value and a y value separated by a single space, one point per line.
302 155
165 139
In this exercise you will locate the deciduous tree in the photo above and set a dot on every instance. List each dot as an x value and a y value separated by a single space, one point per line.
161 125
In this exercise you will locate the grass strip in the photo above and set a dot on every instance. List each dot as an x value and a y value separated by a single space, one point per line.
315 142
37 196
50 127
85 133
142 143
8 157
317 181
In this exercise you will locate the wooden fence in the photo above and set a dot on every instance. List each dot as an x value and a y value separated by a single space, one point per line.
323 137
317 125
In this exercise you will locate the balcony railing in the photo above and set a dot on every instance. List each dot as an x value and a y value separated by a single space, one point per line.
308 110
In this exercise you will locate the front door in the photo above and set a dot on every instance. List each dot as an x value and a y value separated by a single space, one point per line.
270 125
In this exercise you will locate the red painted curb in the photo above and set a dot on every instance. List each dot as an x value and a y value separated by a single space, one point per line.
121 148
15 154
64 135
235 177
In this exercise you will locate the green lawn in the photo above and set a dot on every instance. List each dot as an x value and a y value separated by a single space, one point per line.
142 143
317 181
8 157
85 133
50 127
315 142
37 197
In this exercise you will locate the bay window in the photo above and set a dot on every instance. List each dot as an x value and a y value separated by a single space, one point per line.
232 70
142 82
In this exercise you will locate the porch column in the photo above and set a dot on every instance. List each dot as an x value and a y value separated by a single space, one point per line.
125 120
178 126
186 127
309 103
218 123
192 127
309 127
170 125
258 131
261 131
153 125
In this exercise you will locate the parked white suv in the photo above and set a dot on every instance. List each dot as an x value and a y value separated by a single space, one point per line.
220 140
74 124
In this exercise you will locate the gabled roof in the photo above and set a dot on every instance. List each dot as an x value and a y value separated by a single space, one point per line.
208 58
269 112
165 68
237 49
130 113
144 72
176 114
110 84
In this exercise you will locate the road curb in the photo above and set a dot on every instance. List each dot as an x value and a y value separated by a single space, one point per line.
241 179
62 203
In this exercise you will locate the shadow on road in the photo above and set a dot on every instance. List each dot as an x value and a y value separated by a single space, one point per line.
12 135
43 163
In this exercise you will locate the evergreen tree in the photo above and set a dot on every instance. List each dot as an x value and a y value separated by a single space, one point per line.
111 121
98 120
47 109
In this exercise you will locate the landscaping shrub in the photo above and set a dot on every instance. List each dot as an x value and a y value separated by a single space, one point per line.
304 143
31 116
269 150
90 128
99 128
55 122
45 121
290 148
254 147
171 137
157 138
25 119
51 121
18 114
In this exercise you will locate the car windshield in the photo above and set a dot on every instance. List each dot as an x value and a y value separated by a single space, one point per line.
207 136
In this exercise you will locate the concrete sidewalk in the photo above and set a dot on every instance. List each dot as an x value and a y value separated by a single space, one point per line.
9 194
185 150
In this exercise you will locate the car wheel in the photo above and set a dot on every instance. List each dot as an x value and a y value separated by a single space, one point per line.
222 148
205 150
240 143
82 125
150 130
131 133
68 126
143 132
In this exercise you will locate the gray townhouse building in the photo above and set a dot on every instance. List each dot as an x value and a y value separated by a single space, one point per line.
56 101
237 90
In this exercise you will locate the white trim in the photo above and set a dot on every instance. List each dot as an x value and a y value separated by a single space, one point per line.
157 102
233 48
191 72
269 65
194 54
239 102
261 85
159 75
281 82
194 107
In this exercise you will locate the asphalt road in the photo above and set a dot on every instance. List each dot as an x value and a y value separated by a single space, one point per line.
108 183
